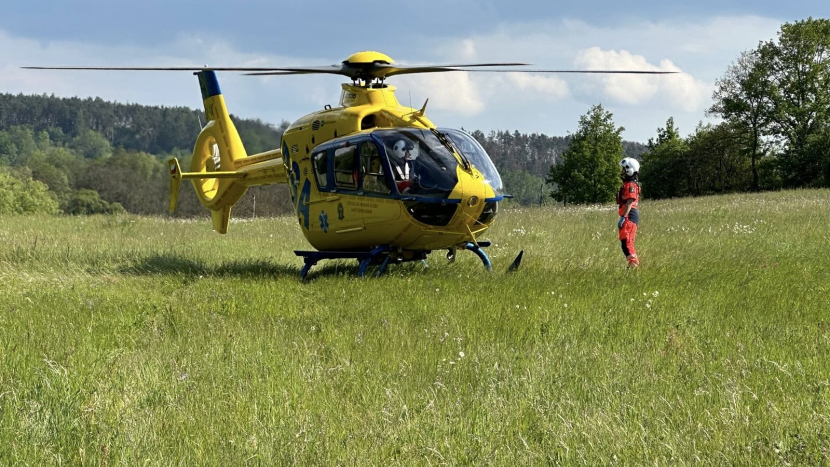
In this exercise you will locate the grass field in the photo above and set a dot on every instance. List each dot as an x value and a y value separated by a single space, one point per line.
142 341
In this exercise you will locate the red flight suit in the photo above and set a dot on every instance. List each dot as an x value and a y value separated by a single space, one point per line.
628 229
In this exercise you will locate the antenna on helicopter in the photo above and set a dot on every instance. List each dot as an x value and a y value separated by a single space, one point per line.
424 108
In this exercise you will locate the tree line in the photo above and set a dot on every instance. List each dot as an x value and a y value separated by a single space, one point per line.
88 156
94 156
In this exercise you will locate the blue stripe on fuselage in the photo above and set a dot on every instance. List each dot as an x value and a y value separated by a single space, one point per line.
208 83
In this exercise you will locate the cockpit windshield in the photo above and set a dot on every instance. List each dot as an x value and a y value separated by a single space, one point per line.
472 150
421 165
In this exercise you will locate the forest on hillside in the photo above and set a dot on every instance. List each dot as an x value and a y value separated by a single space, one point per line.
93 156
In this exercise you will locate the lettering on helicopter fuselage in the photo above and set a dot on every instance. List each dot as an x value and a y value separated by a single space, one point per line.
362 207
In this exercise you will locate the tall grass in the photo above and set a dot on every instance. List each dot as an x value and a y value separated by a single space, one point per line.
128 340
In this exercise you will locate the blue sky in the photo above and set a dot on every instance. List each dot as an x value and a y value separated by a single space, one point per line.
699 39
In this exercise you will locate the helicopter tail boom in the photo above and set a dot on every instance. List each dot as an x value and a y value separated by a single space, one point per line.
221 170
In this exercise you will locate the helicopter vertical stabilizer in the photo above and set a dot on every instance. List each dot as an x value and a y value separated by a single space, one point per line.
217 149
221 170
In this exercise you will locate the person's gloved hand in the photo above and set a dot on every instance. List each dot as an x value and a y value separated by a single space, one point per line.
621 222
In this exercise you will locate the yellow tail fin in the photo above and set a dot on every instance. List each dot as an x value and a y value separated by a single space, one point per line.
220 169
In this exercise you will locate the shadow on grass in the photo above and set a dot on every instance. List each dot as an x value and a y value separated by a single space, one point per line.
351 268
177 265
174 265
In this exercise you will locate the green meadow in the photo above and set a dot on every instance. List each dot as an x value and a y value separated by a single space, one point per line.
131 340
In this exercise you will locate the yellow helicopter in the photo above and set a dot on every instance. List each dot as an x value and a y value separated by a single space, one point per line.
370 179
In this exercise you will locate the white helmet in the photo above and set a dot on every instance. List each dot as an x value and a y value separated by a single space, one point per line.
630 166
401 147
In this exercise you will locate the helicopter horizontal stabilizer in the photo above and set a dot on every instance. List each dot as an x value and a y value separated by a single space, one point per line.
175 171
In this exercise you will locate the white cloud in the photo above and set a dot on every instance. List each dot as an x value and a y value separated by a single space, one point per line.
681 90
271 99
467 50
699 50
453 91
628 89
546 87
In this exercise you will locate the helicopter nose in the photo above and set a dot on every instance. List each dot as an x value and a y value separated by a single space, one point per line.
472 200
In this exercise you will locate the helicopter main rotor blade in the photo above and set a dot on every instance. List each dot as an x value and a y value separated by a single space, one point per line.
377 71
404 71
628 72
295 71
323 69
364 71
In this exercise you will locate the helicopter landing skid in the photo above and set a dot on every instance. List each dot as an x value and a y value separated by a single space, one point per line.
478 250
475 248
364 257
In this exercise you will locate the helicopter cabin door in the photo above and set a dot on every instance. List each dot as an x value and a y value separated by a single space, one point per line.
357 201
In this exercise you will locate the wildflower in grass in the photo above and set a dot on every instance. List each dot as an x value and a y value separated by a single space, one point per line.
461 354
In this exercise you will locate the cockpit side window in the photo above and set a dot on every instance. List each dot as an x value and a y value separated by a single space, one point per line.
345 168
374 178
420 163
321 169
403 152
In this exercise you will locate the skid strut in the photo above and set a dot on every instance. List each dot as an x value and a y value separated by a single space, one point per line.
365 258
478 250
383 255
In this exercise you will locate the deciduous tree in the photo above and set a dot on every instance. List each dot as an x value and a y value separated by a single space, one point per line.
588 171
797 69
662 173
742 98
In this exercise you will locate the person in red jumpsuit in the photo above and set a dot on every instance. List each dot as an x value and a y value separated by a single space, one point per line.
627 199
